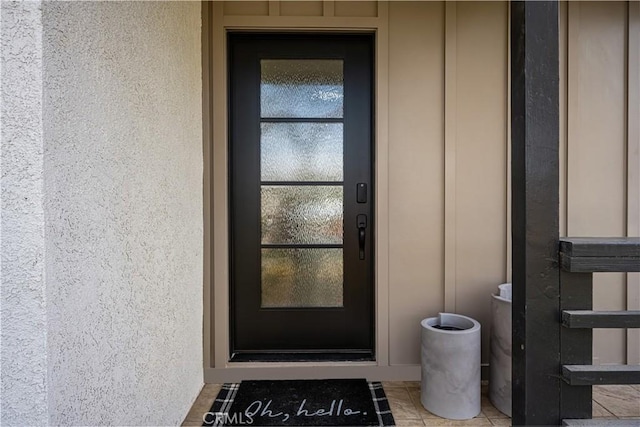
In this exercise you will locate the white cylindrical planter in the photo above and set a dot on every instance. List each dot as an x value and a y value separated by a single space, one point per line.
500 359
451 366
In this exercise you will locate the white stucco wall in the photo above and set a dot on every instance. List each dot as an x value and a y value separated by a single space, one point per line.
123 210
23 320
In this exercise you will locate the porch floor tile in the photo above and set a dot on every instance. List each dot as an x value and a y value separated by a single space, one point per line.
620 400
609 402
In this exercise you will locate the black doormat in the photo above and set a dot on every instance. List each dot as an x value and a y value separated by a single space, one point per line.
301 403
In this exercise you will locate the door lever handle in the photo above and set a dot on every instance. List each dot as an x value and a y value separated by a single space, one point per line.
362 226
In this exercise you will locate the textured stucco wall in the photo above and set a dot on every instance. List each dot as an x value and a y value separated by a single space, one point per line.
123 210
23 359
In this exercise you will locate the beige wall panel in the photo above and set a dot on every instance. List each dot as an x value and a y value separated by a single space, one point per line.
596 147
356 8
633 172
416 72
481 158
301 8
246 8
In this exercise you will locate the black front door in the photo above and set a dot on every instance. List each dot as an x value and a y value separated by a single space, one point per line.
301 193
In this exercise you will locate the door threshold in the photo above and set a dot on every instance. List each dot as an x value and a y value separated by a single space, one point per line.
352 356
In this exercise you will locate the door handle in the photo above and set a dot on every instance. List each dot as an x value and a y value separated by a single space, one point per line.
362 226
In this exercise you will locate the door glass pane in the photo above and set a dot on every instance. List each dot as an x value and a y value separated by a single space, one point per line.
302 278
310 88
301 214
301 151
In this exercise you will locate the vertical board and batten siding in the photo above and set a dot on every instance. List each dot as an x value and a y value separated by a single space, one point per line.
416 172
481 141
447 77
598 90
447 164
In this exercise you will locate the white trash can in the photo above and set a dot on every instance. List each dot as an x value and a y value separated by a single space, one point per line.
500 359
451 366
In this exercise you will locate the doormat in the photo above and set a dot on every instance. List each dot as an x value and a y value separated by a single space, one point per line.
345 402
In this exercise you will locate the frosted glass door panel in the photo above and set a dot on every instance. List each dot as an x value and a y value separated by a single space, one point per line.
301 214
302 278
307 88
301 151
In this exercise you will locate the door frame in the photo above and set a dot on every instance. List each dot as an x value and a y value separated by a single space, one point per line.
323 333
216 333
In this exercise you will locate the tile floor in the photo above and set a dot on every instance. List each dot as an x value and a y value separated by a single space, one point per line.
609 402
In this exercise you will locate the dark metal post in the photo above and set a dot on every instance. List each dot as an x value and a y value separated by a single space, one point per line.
535 187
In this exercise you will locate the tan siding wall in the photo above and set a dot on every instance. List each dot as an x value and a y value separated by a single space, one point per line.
356 8
596 145
246 8
481 158
301 8
633 168
448 148
476 154
416 174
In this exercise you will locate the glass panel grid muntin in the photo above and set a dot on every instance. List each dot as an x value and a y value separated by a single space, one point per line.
324 233
302 88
